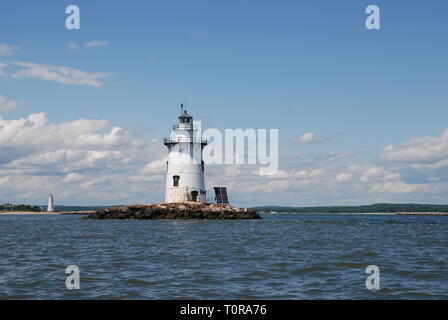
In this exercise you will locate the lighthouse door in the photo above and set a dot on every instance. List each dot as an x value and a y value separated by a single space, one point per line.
194 196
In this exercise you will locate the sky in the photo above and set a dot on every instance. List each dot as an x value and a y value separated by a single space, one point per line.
361 113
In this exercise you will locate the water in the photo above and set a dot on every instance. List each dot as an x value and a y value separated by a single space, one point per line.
279 257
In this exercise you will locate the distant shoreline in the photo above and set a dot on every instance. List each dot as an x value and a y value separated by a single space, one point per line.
27 212
380 208
367 213
267 213
6 213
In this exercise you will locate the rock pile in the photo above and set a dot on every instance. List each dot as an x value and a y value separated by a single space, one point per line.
188 210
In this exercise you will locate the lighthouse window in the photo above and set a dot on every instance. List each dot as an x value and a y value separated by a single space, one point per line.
176 181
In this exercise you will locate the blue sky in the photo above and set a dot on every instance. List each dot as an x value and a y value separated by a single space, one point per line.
299 66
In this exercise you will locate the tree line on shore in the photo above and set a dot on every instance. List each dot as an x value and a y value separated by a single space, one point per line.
23 207
19 207
374 208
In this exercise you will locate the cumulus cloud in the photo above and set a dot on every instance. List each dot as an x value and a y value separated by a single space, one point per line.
89 161
34 132
417 150
96 44
71 177
6 105
420 159
309 137
344 177
7 50
82 160
376 173
316 173
59 74
400 188
80 145
156 167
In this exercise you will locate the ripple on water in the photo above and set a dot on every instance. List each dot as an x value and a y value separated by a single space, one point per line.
279 257
310 269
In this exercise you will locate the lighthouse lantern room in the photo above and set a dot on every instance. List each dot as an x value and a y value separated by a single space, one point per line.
185 166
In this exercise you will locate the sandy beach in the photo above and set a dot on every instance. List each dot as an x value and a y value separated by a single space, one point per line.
425 213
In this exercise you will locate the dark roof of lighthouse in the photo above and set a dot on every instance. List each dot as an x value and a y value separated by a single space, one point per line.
185 115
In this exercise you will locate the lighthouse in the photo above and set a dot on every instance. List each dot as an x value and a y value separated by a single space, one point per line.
50 206
185 167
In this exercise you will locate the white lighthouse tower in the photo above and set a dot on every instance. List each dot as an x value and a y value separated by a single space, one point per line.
50 206
185 167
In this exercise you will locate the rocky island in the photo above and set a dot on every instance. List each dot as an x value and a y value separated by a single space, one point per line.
187 210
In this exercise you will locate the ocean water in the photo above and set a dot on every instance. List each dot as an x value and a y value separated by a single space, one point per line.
290 256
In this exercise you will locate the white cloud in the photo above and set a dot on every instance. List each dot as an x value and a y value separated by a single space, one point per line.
90 44
82 160
6 105
155 167
400 188
327 183
309 137
7 50
71 177
419 160
301 174
32 142
344 177
317 173
60 74
336 156
438 165
72 46
418 150
280 174
114 138
96 44
91 162
378 173
34 131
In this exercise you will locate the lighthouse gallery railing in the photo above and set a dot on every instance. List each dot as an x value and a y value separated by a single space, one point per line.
185 140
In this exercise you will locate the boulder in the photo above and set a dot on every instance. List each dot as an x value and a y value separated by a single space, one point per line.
187 210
